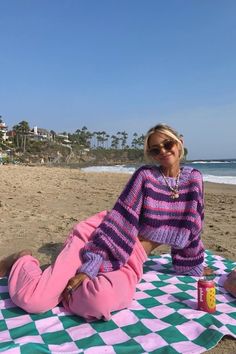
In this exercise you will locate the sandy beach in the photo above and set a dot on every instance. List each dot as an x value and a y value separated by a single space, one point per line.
39 206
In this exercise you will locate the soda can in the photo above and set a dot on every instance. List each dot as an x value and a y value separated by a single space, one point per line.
206 295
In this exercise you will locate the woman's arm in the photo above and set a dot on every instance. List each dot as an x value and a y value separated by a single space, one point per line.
189 260
113 241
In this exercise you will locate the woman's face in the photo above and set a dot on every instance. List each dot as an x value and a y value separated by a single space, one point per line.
164 150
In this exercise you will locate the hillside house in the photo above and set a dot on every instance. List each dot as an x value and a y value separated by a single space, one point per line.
40 134
4 130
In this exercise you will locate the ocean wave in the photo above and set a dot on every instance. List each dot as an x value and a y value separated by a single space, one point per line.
211 162
220 179
131 169
110 169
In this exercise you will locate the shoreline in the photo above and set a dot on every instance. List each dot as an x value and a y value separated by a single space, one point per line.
226 177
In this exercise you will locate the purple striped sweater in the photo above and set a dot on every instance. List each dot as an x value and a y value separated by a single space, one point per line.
145 208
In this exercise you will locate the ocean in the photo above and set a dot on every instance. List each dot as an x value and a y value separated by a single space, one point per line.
213 171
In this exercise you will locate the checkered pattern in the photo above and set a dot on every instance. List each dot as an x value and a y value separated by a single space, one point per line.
163 318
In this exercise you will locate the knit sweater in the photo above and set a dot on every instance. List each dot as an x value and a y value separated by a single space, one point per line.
145 208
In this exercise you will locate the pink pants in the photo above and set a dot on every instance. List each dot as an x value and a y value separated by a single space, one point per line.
38 291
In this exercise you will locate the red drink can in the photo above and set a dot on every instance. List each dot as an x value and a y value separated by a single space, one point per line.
206 292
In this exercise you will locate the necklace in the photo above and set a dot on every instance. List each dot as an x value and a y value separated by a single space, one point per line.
174 190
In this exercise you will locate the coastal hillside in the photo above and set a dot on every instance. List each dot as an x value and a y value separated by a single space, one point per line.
59 154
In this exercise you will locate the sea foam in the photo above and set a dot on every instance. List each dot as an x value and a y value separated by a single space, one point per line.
131 169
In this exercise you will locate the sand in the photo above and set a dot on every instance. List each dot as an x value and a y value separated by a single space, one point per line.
39 206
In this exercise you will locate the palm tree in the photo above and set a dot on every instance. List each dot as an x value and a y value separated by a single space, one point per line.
141 141
83 137
103 137
114 142
15 129
134 142
22 130
53 134
98 136
119 134
124 137
106 140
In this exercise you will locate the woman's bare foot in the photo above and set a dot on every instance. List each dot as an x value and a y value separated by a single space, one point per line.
7 263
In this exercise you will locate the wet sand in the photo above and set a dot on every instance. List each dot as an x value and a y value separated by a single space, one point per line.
39 206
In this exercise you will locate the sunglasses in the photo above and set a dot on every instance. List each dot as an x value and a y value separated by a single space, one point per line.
167 145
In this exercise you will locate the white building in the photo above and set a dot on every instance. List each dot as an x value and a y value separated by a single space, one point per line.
3 130
40 134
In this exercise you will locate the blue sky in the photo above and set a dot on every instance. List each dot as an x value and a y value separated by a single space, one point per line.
122 65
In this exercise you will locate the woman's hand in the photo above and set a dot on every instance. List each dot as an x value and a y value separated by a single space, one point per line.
207 271
72 285
148 245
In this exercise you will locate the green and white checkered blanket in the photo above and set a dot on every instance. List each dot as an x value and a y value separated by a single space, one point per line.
163 318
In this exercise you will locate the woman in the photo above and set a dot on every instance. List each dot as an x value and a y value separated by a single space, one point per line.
102 259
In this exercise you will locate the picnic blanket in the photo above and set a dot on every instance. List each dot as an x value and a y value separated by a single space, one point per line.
163 318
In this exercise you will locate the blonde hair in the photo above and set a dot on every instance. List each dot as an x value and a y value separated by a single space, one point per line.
166 130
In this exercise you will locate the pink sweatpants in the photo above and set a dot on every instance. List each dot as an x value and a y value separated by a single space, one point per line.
38 291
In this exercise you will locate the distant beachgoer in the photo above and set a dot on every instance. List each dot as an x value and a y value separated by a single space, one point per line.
230 283
102 260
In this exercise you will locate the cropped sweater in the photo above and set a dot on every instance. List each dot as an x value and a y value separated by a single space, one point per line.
145 208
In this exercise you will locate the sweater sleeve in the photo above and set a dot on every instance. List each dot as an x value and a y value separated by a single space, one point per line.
113 241
189 260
